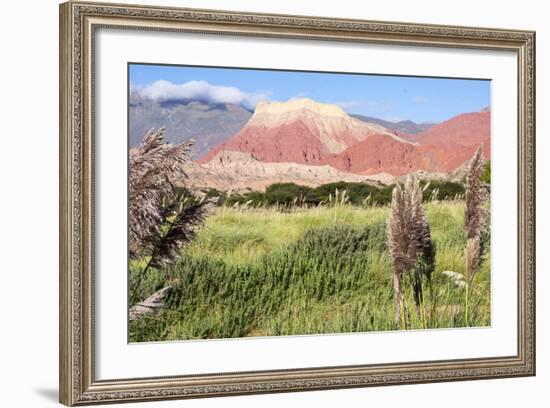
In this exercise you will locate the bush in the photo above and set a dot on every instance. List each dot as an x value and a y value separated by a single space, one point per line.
486 176
446 190
290 194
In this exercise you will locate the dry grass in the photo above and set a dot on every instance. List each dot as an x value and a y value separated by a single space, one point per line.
410 245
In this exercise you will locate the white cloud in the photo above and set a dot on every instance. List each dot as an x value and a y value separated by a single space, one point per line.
202 91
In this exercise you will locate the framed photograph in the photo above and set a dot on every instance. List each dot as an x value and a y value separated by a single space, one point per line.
256 203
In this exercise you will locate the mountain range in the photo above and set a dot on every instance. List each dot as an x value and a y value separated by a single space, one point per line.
207 124
210 124
306 132
309 143
403 126
442 148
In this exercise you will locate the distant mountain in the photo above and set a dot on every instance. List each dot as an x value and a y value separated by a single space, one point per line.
403 126
299 131
207 124
212 124
310 133
378 154
462 131
442 148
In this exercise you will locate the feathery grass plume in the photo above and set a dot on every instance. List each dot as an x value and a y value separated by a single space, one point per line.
473 256
154 168
398 246
475 218
425 265
475 195
475 214
181 222
411 247
421 239
160 221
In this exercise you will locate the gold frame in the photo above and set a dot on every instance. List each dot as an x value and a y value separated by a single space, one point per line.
78 22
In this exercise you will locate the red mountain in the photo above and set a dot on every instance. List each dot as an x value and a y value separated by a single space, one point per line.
465 130
442 148
376 155
307 132
299 131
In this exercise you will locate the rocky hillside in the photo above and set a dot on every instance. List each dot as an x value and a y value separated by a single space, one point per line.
463 131
306 132
443 148
207 124
242 172
300 131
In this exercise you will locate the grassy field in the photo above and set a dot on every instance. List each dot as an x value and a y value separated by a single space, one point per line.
267 272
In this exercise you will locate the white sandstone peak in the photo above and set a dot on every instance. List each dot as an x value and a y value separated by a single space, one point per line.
293 105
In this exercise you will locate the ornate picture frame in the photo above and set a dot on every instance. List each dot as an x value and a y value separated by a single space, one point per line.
79 22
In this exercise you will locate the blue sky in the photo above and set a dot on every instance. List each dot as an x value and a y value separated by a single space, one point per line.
392 98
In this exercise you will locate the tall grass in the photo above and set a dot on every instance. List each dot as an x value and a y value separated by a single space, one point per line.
242 235
264 272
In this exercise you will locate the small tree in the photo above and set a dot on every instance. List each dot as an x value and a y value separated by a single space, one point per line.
411 247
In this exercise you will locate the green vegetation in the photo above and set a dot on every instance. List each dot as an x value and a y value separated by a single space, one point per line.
282 269
359 194
486 176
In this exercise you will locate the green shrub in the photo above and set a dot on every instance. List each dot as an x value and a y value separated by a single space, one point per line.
486 176
290 194
446 190
215 300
